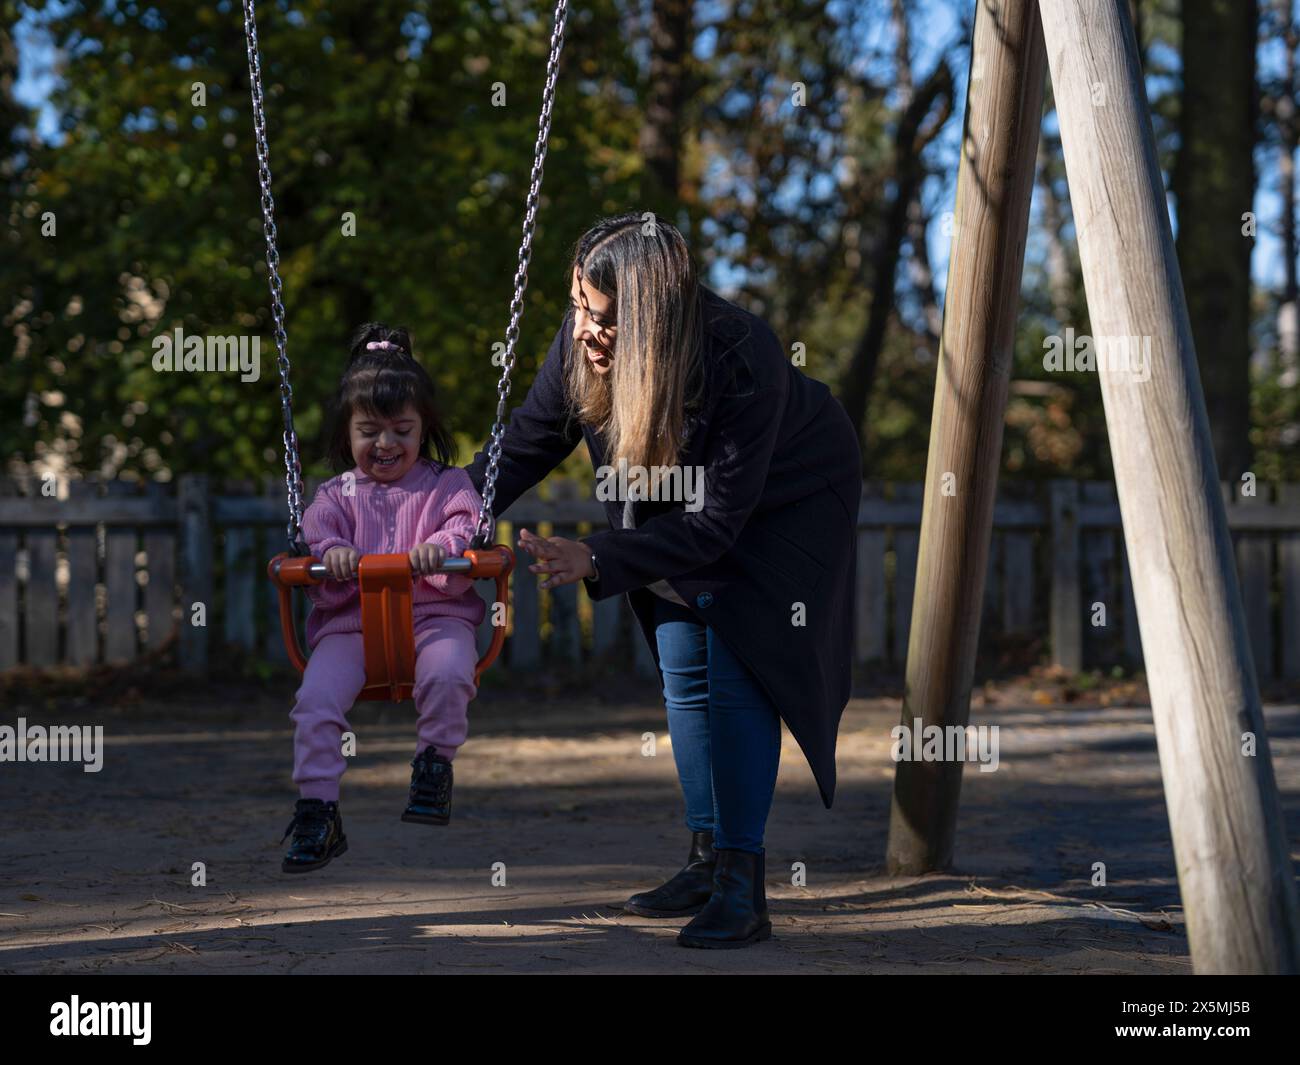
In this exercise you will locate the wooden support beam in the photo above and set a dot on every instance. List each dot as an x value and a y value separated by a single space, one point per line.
994 186
1234 867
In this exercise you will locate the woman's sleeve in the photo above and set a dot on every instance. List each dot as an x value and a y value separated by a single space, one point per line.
324 525
735 461
454 530
540 434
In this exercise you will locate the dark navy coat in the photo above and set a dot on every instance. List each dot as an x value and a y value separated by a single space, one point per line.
782 481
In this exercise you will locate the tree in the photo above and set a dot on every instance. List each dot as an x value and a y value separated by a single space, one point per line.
1214 182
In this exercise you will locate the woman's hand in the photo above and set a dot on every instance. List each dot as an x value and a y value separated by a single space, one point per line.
341 562
426 558
565 561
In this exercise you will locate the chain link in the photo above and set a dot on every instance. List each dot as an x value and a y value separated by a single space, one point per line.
484 527
292 464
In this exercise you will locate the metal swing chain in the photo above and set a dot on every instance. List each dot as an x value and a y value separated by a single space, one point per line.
292 464
484 527
293 467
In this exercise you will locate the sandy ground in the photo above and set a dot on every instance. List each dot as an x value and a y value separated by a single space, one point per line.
95 871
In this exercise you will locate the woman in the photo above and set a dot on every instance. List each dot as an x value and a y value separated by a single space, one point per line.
744 589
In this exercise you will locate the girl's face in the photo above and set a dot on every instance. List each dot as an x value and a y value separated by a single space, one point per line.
594 328
386 448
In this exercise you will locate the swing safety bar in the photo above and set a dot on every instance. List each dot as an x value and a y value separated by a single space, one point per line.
387 620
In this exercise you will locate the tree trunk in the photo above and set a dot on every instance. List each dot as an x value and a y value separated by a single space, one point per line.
908 143
1060 274
1214 182
1288 325
660 138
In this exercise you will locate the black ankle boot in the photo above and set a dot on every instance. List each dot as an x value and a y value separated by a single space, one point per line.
430 799
687 892
736 913
317 828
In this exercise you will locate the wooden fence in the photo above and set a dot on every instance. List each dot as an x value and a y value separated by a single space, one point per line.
112 571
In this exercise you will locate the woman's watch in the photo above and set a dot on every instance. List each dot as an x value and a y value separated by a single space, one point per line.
595 570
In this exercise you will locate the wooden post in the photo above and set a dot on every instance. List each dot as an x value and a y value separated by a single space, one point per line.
195 535
994 186
1234 867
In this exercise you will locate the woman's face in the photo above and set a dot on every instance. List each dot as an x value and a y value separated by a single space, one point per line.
385 448
594 328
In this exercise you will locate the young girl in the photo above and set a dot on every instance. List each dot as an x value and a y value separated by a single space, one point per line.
394 497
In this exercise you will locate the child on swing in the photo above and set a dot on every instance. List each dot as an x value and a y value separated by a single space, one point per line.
397 492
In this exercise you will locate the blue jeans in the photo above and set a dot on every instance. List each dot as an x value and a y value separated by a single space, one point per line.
726 733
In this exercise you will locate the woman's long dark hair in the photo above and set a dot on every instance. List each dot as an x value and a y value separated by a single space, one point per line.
645 266
382 381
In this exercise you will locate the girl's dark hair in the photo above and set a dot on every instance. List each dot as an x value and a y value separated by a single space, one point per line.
382 381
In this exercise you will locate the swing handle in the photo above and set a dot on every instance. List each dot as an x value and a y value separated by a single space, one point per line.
490 562
286 572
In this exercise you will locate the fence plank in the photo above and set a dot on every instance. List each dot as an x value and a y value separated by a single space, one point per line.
1019 587
272 543
566 633
871 590
1066 599
120 544
907 541
8 585
1288 561
1255 569
83 576
195 548
1097 551
42 598
526 641
33 512
160 578
239 627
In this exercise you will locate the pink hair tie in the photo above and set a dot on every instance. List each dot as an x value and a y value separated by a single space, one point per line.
382 345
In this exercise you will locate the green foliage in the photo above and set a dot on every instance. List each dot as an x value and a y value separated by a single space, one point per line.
380 108
384 109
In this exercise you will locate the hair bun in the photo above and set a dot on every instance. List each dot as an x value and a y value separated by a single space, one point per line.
378 338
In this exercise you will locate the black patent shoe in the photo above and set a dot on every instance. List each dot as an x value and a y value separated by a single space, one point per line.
736 913
317 828
687 892
430 799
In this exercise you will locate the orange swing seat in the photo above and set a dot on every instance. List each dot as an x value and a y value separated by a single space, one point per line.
387 618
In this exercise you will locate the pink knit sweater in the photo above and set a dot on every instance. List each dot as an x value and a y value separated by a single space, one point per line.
429 504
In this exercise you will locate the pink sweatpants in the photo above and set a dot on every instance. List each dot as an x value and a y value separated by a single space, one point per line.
445 656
